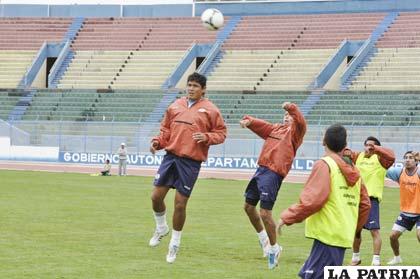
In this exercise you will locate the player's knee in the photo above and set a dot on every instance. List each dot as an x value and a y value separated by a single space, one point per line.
375 234
249 208
394 236
180 206
265 214
156 198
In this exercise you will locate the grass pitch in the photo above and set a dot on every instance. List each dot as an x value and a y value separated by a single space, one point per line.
55 225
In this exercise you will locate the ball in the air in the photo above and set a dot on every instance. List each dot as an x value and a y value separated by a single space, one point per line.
212 19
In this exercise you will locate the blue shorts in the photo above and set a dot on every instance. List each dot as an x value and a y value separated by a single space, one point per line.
373 221
408 222
321 255
264 186
178 173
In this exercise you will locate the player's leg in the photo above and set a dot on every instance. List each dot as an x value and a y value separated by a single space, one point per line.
186 175
374 227
159 213
395 245
269 184
355 260
402 224
418 228
377 244
252 197
164 180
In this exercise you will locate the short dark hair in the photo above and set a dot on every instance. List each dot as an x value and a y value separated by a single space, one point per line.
107 161
409 152
335 137
377 142
200 79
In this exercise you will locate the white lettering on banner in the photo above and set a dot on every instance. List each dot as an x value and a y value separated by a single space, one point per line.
244 164
101 158
150 160
298 166
219 163
156 160
67 157
209 162
94 158
75 158
372 272
309 164
228 162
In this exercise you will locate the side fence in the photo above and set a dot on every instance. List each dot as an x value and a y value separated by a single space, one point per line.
93 142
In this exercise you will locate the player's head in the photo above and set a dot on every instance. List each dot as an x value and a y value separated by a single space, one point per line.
107 161
369 143
196 86
335 138
287 119
122 145
410 160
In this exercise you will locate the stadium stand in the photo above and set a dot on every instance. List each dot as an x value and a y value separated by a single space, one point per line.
133 53
89 105
13 66
395 65
367 108
285 52
30 33
8 100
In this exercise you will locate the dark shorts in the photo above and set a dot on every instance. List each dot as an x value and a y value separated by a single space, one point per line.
321 255
178 173
373 221
408 222
264 186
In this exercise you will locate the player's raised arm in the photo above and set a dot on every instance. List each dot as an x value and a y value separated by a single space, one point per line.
299 123
260 127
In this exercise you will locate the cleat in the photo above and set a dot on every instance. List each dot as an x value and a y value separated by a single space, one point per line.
273 258
376 263
395 261
171 256
355 263
157 237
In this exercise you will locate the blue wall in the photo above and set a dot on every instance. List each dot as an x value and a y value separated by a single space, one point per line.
310 7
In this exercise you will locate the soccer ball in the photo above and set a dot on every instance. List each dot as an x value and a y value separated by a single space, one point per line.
212 19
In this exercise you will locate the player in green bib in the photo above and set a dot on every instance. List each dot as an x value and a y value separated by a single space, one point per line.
372 164
334 203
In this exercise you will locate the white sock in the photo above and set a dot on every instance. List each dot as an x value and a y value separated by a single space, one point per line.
355 257
274 248
397 258
160 218
376 259
176 238
262 236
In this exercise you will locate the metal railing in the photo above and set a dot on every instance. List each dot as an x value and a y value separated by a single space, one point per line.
105 137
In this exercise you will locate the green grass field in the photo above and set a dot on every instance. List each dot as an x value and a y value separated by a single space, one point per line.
75 226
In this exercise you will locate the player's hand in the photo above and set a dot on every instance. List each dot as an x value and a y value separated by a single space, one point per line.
199 137
278 227
285 105
153 147
370 147
245 123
